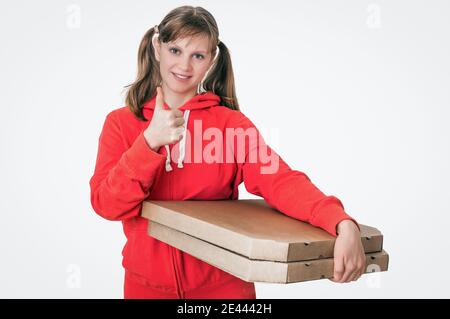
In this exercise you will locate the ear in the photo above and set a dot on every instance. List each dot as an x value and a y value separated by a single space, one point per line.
156 48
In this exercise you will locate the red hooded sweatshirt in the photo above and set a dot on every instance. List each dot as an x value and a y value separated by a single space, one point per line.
128 171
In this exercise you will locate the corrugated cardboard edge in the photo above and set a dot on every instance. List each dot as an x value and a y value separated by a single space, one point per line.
371 239
253 248
257 270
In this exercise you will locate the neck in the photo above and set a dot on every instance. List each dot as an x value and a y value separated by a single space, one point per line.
175 100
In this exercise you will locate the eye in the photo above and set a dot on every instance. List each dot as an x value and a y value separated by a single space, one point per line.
199 55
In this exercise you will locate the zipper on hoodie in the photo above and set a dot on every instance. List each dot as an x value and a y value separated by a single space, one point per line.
179 289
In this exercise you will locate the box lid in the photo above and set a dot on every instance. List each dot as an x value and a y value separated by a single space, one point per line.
252 228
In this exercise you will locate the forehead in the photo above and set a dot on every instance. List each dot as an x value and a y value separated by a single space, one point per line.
193 43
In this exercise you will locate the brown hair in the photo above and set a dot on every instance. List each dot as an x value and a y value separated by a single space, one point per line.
178 23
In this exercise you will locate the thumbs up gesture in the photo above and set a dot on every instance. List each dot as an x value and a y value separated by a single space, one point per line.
166 126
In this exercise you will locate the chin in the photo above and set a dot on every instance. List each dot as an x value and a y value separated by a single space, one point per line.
181 89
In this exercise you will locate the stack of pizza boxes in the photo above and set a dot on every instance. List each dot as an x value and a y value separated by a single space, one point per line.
253 241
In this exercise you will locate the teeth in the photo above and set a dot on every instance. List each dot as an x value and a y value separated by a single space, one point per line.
181 77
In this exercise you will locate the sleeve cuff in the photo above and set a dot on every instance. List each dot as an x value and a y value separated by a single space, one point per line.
329 216
141 160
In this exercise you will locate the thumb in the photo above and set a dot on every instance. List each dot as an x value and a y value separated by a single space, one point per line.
159 103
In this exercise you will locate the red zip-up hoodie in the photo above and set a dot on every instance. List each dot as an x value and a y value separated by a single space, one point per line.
128 171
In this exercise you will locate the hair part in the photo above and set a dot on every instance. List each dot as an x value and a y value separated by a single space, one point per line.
181 22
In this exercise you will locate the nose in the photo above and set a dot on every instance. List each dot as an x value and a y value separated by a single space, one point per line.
185 63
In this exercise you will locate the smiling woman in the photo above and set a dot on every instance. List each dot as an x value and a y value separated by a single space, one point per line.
185 78
183 55
187 60
182 66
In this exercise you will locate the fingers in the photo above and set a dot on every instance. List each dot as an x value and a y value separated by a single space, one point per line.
357 273
177 134
338 269
177 113
349 259
349 270
355 276
360 272
179 121
346 272
353 272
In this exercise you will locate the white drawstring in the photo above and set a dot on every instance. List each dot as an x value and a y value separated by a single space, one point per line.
182 146
183 140
168 166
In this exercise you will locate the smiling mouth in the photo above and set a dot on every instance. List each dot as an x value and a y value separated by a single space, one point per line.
180 76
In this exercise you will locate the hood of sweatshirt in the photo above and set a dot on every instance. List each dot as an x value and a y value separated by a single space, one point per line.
197 102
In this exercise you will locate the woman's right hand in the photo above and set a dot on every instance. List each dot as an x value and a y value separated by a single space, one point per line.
166 126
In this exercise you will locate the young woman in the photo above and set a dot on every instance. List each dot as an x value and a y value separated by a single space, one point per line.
158 147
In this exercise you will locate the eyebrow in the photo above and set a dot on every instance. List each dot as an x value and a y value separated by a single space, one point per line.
174 45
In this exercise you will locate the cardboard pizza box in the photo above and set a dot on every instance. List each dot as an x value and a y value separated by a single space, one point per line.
252 228
257 270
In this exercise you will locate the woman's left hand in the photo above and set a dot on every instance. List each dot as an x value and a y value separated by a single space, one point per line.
349 256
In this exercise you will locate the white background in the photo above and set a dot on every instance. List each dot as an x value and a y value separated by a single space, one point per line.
356 91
